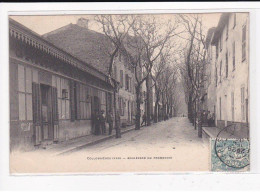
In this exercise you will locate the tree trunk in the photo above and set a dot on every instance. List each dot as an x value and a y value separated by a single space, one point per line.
195 116
199 119
163 109
117 127
148 101
155 114
138 109
190 114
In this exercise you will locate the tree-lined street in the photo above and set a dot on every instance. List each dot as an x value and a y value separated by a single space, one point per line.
173 145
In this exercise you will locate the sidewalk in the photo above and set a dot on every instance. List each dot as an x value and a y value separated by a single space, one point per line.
81 142
212 132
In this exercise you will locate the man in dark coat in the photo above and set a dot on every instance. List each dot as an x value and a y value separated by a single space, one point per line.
110 121
96 123
103 122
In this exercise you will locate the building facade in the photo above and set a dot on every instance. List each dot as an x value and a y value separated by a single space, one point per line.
124 74
230 65
209 86
53 94
94 47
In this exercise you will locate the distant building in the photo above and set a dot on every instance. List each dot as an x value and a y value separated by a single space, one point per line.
229 78
53 93
93 47
124 74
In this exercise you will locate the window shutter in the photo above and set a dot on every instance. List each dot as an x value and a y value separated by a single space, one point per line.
55 105
72 101
55 114
77 96
126 81
36 113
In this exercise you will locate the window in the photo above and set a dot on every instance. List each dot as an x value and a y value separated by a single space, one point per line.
62 86
130 84
220 71
26 76
226 64
234 56
243 103
232 106
235 20
65 94
126 82
121 78
84 102
244 43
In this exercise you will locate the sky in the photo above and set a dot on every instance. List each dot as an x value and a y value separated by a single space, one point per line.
45 24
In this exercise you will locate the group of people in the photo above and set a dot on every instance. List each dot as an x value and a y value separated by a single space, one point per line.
208 118
99 121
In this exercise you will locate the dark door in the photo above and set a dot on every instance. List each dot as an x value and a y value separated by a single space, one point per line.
95 109
46 113
36 113
96 105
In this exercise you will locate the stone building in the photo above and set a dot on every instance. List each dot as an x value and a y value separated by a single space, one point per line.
229 88
93 47
53 93
124 74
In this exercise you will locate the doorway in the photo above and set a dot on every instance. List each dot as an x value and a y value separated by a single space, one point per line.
95 107
46 113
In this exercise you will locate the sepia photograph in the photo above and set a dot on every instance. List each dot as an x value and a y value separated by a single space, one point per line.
141 93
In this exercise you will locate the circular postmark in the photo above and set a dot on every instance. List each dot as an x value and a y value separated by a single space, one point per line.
233 152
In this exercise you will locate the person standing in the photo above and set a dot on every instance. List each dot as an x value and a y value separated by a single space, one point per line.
110 122
103 122
144 119
97 123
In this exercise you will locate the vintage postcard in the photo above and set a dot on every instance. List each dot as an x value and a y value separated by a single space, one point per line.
129 93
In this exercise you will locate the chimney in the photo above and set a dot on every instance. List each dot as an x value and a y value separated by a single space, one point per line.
82 22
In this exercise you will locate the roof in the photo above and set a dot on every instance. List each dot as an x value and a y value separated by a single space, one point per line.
89 46
209 36
19 31
221 24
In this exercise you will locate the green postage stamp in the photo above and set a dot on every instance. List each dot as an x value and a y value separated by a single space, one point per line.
230 154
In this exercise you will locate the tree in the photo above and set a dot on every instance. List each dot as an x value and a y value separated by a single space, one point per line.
115 28
172 93
158 69
154 36
134 51
194 70
164 78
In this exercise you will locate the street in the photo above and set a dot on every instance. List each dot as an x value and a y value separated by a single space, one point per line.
171 145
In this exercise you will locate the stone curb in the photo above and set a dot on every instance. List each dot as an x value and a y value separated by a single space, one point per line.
70 150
